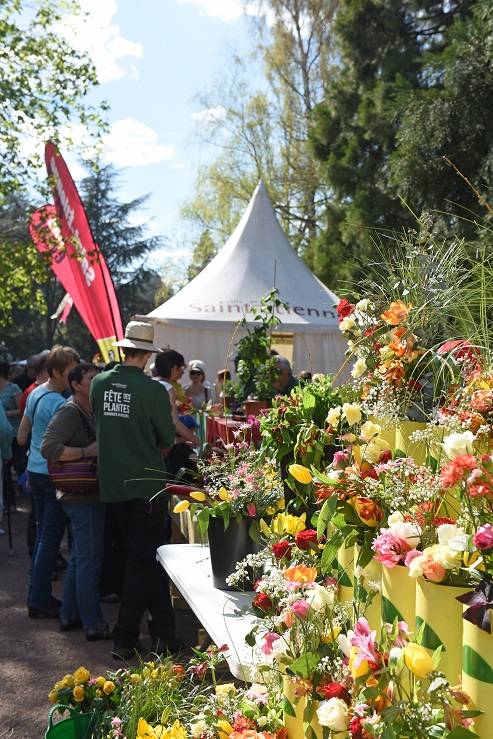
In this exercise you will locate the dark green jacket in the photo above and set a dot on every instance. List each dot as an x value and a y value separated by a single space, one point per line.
133 423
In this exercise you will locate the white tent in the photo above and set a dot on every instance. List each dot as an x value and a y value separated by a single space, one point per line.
200 320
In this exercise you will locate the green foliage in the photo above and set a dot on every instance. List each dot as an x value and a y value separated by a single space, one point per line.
204 251
43 83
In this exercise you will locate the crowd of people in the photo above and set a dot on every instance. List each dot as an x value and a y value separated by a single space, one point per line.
96 449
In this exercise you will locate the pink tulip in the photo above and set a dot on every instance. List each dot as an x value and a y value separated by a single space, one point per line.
251 510
483 538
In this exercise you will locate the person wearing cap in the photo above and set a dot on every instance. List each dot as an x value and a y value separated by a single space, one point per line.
284 380
133 424
198 390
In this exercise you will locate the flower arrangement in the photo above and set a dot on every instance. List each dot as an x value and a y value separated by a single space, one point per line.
237 483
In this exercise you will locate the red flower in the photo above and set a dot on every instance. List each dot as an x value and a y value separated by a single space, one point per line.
306 539
262 602
281 549
344 309
356 727
282 733
333 690
439 520
242 723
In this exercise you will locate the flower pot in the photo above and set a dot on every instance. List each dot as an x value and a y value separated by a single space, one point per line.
76 726
300 717
418 450
227 547
477 673
372 572
398 595
437 608
253 407
345 573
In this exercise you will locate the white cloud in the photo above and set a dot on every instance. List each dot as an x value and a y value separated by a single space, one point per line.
177 165
209 115
96 34
130 143
230 10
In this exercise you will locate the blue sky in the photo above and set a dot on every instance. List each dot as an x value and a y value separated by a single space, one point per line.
154 57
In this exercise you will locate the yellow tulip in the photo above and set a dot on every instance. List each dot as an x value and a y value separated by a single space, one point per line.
417 660
362 669
108 687
224 728
183 505
286 523
300 473
198 495
223 494
78 693
81 675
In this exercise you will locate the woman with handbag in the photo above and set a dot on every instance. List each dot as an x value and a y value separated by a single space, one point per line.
69 446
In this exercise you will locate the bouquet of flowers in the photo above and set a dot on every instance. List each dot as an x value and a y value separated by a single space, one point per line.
239 484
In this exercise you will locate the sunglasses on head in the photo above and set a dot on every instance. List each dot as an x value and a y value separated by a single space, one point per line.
195 372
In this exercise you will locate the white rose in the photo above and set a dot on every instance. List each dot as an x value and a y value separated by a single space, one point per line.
362 305
198 728
415 567
369 430
320 597
334 415
408 531
372 451
352 411
447 531
334 714
359 368
446 557
347 324
456 445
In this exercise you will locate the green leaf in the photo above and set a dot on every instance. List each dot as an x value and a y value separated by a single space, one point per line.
203 520
304 665
475 666
308 400
288 708
390 612
250 637
330 551
323 520
460 733
429 638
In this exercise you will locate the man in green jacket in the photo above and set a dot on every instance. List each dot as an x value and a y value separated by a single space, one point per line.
133 424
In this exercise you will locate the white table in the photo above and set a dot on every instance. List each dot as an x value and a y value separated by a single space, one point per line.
223 614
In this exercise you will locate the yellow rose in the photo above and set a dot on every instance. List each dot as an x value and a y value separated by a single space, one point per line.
81 675
198 495
372 451
369 430
100 681
334 416
78 693
108 687
417 660
352 411
183 505
67 682
300 473
53 696
225 689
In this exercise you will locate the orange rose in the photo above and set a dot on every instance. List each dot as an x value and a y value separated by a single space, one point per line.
397 313
301 574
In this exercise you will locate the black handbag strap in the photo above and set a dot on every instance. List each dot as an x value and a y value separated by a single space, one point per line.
48 392
85 422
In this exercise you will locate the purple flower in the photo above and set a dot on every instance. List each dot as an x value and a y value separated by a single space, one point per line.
480 602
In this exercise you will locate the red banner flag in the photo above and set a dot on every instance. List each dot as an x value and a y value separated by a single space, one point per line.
92 288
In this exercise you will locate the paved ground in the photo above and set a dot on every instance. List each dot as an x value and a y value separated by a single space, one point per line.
34 653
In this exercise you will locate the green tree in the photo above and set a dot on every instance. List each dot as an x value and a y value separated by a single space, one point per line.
204 251
43 84
383 48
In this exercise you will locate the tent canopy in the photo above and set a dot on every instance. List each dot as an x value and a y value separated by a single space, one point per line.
256 258
200 319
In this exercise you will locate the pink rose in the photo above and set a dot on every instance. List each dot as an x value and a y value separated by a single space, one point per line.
300 608
483 538
412 555
432 570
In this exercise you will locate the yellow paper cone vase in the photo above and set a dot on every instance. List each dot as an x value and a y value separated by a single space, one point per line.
441 615
293 709
417 450
387 433
477 674
398 595
372 573
345 570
